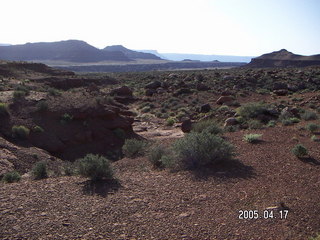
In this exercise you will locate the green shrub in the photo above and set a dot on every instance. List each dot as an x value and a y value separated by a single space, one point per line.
65 118
251 110
299 151
294 120
42 106
254 124
315 238
202 149
252 137
206 125
54 92
133 148
20 132
271 123
314 138
3 109
170 121
69 169
38 129
308 115
11 177
312 127
155 155
17 95
40 171
286 122
95 167
120 133
21 88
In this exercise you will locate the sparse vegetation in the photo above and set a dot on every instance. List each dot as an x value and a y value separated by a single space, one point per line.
202 149
39 170
42 106
134 147
54 92
120 133
11 177
38 129
65 118
308 115
20 132
251 110
3 110
312 127
252 137
17 95
95 167
170 121
300 151
209 126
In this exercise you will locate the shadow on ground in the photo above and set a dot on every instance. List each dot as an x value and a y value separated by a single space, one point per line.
310 160
101 188
231 169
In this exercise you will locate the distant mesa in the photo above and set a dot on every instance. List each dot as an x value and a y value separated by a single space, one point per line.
69 51
284 58
130 53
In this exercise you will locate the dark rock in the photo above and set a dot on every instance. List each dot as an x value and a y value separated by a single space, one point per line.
122 91
202 87
225 99
153 85
182 91
230 122
186 126
281 92
205 108
150 92
279 86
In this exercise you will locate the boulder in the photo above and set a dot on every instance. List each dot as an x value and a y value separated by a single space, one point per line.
202 87
279 85
186 126
122 91
281 92
225 99
182 91
230 122
153 85
205 108
150 92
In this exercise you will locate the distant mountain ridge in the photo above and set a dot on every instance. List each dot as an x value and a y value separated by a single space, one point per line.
284 58
200 57
69 51
130 53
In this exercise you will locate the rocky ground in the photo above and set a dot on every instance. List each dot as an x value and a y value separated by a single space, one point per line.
148 203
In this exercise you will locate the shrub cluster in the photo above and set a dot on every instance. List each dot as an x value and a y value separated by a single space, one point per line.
252 137
20 132
95 167
11 177
300 151
209 126
251 110
202 149
133 148
40 171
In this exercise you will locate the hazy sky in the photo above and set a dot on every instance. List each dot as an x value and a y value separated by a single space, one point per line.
228 27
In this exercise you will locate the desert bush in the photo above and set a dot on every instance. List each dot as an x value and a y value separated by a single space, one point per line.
155 155
308 115
315 138
95 167
252 137
207 125
271 123
312 127
11 177
286 122
40 171
20 132
54 92
3 109
17 95
22 88
170 121
69 169
254 124
133 148
65 118
299 151
201 149
251 110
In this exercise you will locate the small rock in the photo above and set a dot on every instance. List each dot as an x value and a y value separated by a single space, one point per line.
230 122
225 99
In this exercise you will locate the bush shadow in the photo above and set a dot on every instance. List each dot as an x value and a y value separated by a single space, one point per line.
101 188
310 160
230 169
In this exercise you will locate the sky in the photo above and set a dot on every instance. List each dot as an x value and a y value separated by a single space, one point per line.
225 27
